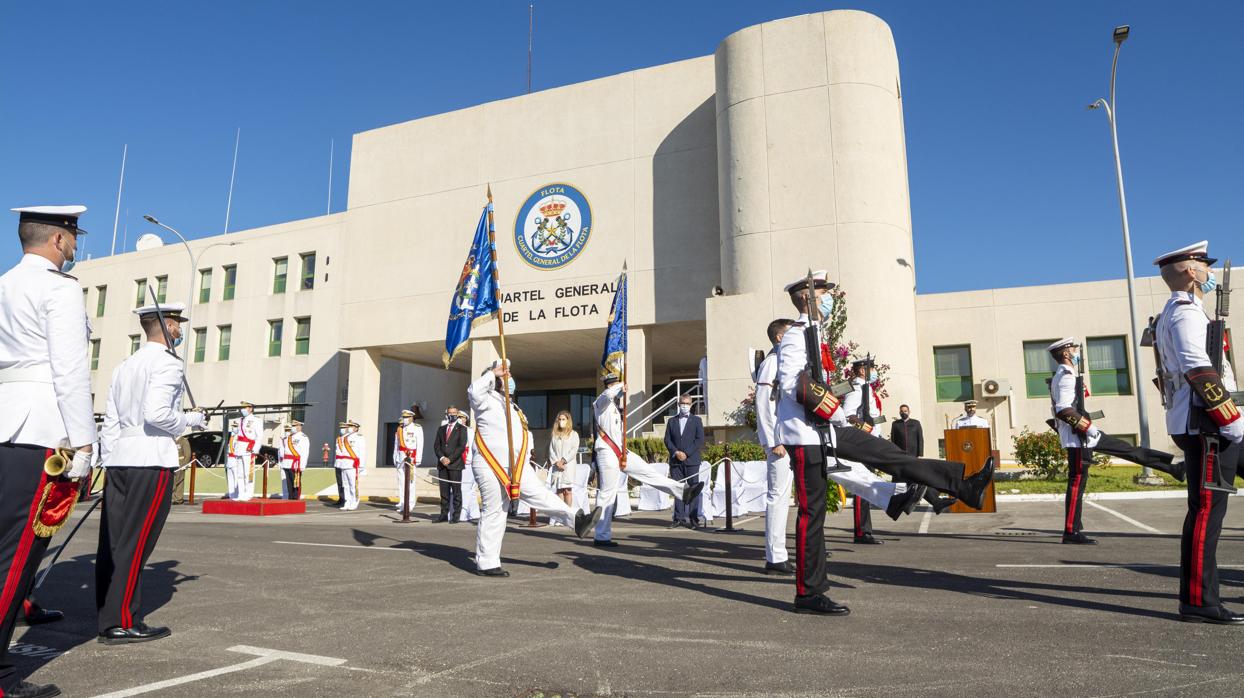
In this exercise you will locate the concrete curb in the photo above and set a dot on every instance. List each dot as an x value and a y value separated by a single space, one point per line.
1156 494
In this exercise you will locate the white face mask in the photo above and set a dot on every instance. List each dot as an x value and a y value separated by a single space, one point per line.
342 431
684 410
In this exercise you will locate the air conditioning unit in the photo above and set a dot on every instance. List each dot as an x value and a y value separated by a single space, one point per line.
995 387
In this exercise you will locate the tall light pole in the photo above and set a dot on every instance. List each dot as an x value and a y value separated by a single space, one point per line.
1142 414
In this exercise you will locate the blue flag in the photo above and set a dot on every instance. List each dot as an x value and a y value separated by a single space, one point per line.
614 356
475 298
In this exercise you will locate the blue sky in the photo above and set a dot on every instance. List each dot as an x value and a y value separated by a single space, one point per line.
1012 180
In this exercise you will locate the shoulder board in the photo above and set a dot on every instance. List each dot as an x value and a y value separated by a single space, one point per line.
61 273
1178 302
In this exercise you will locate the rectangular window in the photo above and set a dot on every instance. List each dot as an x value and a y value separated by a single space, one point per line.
200 344
274 337
280 272
205 285
223 341
134 344
101 300
1108 372
140 293
298 393
952 370
94 354
302 336
161 288
308 271
231 280
1038 367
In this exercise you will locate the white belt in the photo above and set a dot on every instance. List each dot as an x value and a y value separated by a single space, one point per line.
26 374
141 431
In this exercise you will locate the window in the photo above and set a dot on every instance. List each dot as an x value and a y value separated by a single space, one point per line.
161 288
1038 367
140 293
134 344
308 271
1108 372
205 285
1129 439
536 407
274 337
223 341
952 369
231 280
94 354
101 300
200 344
280 271
298 393
302 336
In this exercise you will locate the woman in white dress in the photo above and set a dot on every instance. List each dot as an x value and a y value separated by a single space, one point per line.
563 454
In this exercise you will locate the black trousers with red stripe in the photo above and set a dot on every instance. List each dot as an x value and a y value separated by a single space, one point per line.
863 516
881 454
136 504
21 479
1078 462
811 485
1148 457
1198 547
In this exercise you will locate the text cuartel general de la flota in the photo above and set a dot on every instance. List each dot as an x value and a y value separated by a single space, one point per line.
536 295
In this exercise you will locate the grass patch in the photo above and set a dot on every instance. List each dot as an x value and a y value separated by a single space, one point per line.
1109 478
211 481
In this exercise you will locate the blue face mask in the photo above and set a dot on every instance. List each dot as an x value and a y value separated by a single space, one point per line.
510 384
177 342
67 266
872 376
825 304
1211 282
1075 359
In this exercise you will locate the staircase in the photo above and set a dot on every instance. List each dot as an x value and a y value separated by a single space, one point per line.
659 407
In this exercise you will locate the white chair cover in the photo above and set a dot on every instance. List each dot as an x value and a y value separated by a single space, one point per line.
652 499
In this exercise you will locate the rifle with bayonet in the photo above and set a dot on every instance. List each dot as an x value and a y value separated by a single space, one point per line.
819 400
1216 338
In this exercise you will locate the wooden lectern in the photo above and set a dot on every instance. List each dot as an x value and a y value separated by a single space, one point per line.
970 446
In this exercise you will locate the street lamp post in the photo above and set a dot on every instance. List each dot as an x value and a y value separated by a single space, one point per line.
1120 35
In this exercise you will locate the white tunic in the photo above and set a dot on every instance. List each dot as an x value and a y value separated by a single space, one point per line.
489 407
963 421
294 450
347 444
45 375
410 437
851 401
608 417
766 406
793 428
1063 395
247 436
144 417
1180 337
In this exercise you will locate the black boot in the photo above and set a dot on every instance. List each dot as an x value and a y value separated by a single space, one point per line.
821 605
975 486
904 503
1218 616
1077 538
584 522
25 689
941 504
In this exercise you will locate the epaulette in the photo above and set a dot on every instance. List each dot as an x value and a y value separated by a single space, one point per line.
61 273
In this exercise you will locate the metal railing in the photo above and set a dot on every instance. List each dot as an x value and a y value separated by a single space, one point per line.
664 399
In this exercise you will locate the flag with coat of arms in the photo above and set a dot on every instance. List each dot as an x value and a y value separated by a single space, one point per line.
613 359
475 298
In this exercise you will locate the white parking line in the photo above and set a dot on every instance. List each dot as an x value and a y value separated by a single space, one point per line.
1105 566
338 545
926 520
265 656
1128 519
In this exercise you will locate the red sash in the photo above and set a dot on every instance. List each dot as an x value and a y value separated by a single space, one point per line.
613 446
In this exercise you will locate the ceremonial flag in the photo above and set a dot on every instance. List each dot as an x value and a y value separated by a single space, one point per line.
613 360
475 298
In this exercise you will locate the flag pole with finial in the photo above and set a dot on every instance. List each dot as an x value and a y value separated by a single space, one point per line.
515 464
625 388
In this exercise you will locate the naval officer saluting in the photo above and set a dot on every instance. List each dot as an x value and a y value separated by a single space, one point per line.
138 450
45 388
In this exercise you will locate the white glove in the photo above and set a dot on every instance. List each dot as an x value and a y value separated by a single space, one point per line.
195 419
80 467
1234 431
1093 432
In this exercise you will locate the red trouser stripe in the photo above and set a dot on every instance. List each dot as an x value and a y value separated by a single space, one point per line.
856 509
127 619
23 549
801 521
1198 531
1073 500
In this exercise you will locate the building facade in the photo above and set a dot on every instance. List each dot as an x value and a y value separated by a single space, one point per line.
716 180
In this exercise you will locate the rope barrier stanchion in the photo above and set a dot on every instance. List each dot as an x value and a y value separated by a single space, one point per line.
406 468
265 478
729 465
193 468
531 513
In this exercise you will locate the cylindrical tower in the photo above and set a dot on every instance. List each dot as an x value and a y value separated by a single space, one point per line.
812 172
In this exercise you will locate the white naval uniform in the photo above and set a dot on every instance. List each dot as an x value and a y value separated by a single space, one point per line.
611 485
963 421
777 495
143 418
792 429
469 509
1181 338
293 455
350 457
407 439
1062 396
488 405
244 444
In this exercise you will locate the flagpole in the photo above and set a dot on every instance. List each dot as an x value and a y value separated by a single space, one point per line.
625 387
514 464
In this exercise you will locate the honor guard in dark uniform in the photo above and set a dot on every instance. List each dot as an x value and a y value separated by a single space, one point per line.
138 450
1203 419
1082 438
45 388
805 411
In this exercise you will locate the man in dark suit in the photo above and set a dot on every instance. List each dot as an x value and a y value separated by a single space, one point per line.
684 437
908 435
448 446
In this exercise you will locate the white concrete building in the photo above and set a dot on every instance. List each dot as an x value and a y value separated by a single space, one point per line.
715 179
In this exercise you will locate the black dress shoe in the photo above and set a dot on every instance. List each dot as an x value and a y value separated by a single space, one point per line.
1218 616
1077 539
867 539
904 503
689 493
820 605
783 568
584 522
139 633
440 519
605 543
677 524
492 572
1179 471
37 615
975 486
25 689
942 504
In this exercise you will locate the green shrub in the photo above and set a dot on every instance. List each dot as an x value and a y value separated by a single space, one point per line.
1041 452
649 448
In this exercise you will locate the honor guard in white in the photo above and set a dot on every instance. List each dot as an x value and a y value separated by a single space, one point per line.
293 451
45 390
611 483
1082 438
138 450
407 448
969 418
243 445
489 455
351 453
1203 419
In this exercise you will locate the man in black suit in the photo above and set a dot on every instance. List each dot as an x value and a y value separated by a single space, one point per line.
448 446
684 437
908 435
